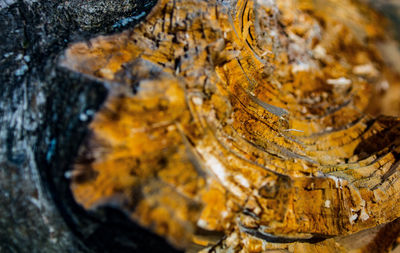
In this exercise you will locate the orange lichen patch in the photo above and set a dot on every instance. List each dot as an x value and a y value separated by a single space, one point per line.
246 118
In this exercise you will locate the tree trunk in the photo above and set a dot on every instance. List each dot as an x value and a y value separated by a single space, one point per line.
40 129
45 111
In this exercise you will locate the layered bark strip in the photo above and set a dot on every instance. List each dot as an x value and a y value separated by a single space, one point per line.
242 125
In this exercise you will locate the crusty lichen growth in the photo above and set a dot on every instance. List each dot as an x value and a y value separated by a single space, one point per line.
244 118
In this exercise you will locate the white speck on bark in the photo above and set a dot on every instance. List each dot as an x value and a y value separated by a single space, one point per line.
352 218
342 81
327 203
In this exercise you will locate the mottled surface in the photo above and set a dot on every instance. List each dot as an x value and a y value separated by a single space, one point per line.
249 119
42 115
40 108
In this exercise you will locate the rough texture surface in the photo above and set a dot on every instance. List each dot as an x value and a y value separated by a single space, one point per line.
40 125
44 112
230 117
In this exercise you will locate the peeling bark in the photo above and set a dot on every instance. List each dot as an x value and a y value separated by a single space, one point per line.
45 111
231 117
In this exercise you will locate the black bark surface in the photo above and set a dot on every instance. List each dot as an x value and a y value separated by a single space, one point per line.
44 112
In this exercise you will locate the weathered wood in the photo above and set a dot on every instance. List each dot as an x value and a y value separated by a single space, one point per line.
243 118
44 112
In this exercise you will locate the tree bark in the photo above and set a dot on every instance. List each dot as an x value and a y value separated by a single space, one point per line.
40 129
42 123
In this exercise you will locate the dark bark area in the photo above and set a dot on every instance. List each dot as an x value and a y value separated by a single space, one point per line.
44 111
